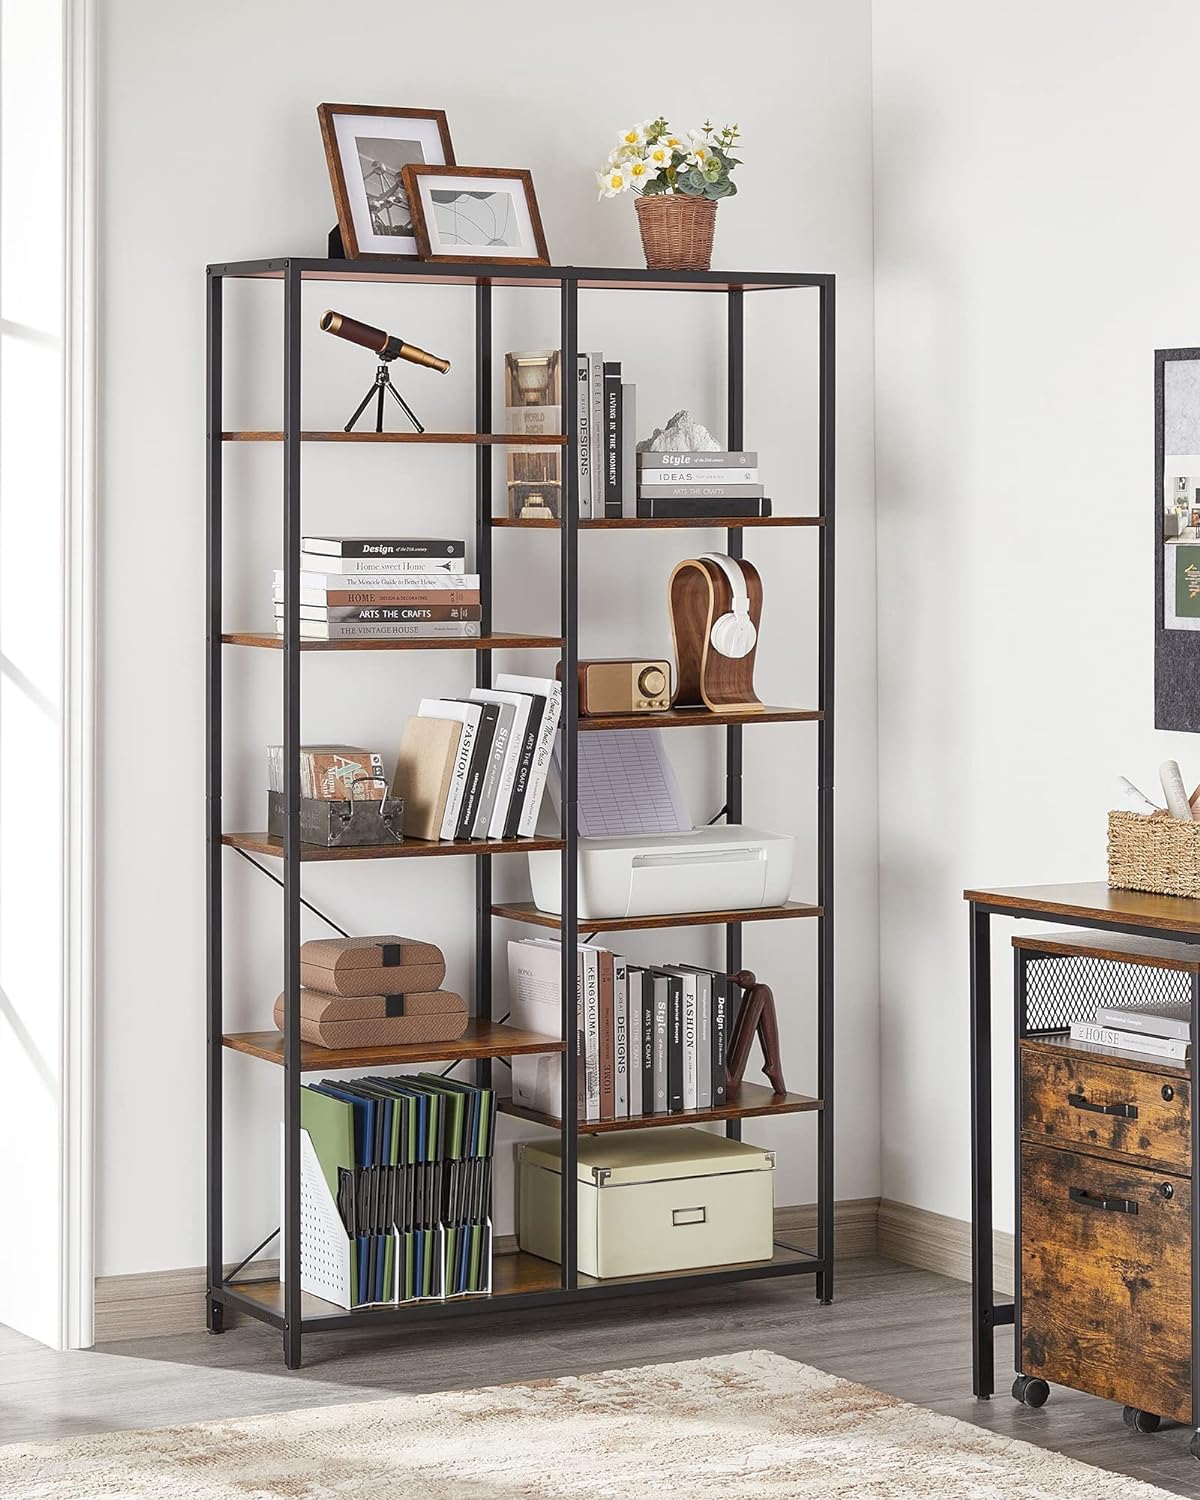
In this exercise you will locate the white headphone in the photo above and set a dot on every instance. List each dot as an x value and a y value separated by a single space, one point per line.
733 635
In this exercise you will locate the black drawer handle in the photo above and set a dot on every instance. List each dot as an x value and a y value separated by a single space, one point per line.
1110 1205
1125 1111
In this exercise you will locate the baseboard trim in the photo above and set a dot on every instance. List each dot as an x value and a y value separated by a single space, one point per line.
155 1303
919 1237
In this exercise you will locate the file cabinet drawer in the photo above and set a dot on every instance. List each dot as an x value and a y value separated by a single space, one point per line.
1082 1098
1106 1279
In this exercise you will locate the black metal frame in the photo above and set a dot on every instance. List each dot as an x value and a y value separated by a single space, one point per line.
986 1313
569 281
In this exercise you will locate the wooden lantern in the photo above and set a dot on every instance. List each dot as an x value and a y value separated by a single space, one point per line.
701 600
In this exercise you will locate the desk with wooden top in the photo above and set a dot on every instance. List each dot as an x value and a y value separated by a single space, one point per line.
1092 905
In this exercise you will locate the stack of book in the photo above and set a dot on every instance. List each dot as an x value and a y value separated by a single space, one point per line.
1158 1029
652 1039
408 1164
476 767
606 432
383 588
700 484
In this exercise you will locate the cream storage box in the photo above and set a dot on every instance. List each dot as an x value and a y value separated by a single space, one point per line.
670 1199
641 875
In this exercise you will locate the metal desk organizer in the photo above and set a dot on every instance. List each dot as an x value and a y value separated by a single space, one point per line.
1107 1281
340 823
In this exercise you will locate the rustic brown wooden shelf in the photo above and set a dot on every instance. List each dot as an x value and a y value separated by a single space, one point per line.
1114 947
481 1039
476 439
696 718
263 843
514 1275
751 1099
662 523
269 641
525 911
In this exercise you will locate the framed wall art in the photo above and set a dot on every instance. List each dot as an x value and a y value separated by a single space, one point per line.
1177 539
476 214
367 148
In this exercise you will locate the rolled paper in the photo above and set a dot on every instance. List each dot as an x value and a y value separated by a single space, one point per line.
1172 784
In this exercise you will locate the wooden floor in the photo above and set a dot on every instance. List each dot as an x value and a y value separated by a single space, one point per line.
891 1327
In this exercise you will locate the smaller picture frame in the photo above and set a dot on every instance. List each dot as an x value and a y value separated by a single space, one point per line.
366 146
471 214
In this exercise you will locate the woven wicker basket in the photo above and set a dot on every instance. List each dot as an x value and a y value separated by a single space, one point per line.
677 231
1153 853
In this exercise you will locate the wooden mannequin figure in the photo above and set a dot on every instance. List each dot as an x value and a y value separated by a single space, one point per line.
756 1017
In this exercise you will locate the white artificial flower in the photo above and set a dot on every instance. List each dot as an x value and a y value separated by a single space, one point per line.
613 181
640 172
634 136
699 154
671 142
659 155
623 153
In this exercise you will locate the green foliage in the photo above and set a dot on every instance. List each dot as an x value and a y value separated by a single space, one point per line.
699 164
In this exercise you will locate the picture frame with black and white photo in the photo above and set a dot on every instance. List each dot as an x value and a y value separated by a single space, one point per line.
366 147
471 214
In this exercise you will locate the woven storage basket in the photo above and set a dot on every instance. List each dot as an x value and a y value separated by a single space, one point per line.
677 231
1153 853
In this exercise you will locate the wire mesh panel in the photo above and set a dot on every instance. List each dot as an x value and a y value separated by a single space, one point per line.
1060 989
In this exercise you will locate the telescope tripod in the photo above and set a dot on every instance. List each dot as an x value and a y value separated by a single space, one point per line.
381 385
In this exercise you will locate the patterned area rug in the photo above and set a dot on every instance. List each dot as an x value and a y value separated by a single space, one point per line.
749 1426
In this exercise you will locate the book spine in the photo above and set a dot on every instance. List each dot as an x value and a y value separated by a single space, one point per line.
373 570
608 1051
620 1041
520 789
628 447
480 754
596 392
720 1038
384 598
675 1046
700 489
508 774
430 630
581 1090
458 782
695 505
322 581
493 771
715 459
633 1013
704 1097
540 768
384 549
690 1079
612 438
592 1027
375 614
662 1026
1177 1027
647 1004
665 479
1130 1041
583 433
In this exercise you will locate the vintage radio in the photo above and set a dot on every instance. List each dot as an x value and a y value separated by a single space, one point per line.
630 685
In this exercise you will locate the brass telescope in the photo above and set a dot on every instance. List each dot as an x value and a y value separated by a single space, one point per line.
386 347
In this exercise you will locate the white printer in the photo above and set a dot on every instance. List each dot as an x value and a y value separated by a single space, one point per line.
640 875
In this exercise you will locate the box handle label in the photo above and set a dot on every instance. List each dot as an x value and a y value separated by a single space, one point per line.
689 1216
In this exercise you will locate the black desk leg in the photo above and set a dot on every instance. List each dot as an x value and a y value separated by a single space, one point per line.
983 1359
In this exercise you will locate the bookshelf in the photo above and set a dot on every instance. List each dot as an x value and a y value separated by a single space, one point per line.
519 1279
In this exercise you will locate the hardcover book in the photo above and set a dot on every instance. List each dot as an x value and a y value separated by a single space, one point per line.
612 438
384 548
424 770
620 1039
628 448
375 571
322 581
689 504
583 433
664 478
468 715
346 630
384 614
715 459
700 489
1131 1041
608 1058
1149 1017
429 593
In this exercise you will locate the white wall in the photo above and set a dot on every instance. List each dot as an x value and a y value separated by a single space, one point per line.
1033 247
210 149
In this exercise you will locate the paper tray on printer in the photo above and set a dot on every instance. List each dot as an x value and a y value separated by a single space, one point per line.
707 869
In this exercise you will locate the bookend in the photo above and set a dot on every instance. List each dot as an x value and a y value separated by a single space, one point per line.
756 1017
701 600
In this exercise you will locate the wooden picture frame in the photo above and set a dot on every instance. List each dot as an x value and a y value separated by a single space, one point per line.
528 248
359 211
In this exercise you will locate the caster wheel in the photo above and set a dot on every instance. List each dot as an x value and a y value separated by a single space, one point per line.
1140 1421
1030 1391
